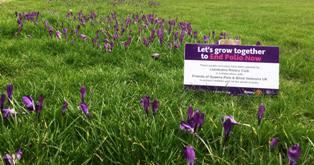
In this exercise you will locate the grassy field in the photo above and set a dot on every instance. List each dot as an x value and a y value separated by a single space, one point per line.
119 132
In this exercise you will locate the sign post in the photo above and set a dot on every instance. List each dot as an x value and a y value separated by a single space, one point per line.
232 69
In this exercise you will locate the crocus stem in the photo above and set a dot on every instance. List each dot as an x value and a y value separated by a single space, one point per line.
207 147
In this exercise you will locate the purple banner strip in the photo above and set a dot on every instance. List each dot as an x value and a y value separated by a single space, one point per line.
232 53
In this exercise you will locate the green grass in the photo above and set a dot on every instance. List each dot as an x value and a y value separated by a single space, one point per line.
119 132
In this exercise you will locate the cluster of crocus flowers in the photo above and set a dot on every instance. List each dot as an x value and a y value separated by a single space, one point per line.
146 103
7 111
113 32
194 122
30 104
83 105
11 159
22 17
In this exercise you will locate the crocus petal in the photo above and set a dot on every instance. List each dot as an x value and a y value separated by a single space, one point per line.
6 113
273 142
10 91
190 112
84 108
199 118
28 102
8 160
189 154
58 35
228 122
19 154
145 102
186 127
294 153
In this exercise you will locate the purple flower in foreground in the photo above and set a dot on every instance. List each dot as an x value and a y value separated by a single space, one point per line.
84 108
294 153
2 100
195 120
273 142
10 91
155 106
11 159
8 160
228 123
58 35
260 113
28 102
19 154
186 127
83 93
189 154
6 113
145 102
64 107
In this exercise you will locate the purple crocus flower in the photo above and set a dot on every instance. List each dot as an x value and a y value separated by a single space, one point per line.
186 127
273 142
50 30
83 37
228 123
127 43
189 154
195 120
145 102
2 100
260 113
28 102
64 107
10 91
8 160
155 106
19 154
83 93
6 113
58 35
160 34
84 108
294 153
152 36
